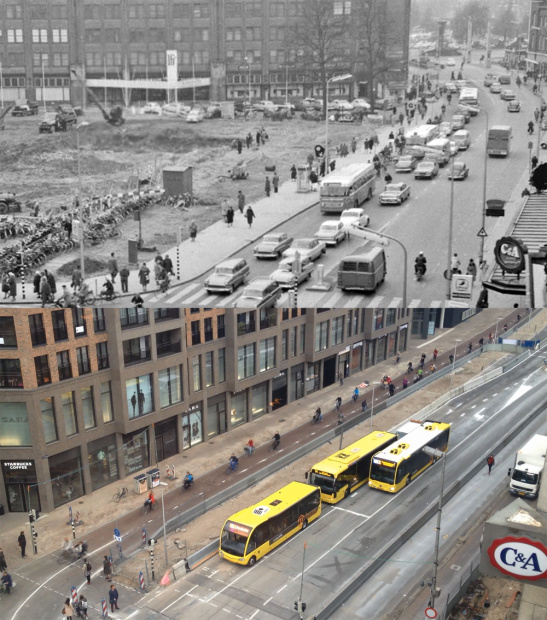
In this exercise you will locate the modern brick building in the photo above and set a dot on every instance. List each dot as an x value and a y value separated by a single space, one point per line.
56 49
88 396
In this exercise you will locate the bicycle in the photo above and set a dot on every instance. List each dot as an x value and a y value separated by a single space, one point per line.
119 494
149 507
248 451
274 445
232 467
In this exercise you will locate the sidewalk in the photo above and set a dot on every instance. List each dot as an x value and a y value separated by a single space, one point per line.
98 509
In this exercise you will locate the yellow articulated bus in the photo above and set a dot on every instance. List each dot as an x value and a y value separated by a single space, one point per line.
397 465
346 470
253 532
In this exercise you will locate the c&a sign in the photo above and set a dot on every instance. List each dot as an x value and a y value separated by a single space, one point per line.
520 558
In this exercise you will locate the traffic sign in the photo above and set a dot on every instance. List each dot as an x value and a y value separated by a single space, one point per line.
530 145
116 531
117 538
430 613
482 233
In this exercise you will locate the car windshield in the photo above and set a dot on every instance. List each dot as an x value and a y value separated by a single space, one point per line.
49 116
426 165
226 271
405 160
351 213
271 239
329 226
393 188
303 243
333 189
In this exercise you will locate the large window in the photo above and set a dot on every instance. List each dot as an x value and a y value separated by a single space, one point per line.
196 372
166 314
208 329
37 331
10 374
88 408
267 354
168 342
246 361
80 327
293 340
284 345
106 402
69 414
246 323
209 370
99 321
136 350
82 357
48 420
337 335
8 339
321 336
132 317
378 320
221 365
268 318
139 393
64 366
221 328
43 376
302 339
14 426
59 325
170 385
103 464
102 356
196 334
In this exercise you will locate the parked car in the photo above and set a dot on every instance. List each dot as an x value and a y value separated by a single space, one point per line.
426 170
196 115
461 171
395 194
507 95
458 122
213 110
272 245
495 88
176 109
307 248
465 112
446 128
452 87
227 276
285 274
25 107
152 108
50 122
67 114
260 293
450 62
489 79
513 106
405 163
340 104
310 102
354 217
439 157
331 232
360 103
260 106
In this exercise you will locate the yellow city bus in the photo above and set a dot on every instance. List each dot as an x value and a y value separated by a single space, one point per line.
397 465
346 470
253 532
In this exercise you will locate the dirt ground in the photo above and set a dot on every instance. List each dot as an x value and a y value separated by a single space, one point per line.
44 168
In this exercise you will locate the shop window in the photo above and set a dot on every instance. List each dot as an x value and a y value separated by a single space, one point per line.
321 336
246 361
65 471
221 328
168 343
48 419
37 331
102 355
238 414
78 319
106 402
82 357
69 414
136 350
8 338
43 376
369 353
64 366
216 418
136 451
88 408
10 374
166 314
99 322
139 396
192 428
133 317
313 382
60 331
170 386
302 339
381 349
221 365
284 345
14 426
267 354
196 372
195 332
259 400
103 462
391 344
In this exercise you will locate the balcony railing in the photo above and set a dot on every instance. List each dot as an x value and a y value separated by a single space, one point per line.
84 367
166 314
196 338
168 348
60 332
65 371
246 328
130 318
103 362
38 336
43 377
11 380
268 321
136 357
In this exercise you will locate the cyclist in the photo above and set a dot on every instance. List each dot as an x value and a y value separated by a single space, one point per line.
451 358
82 548
318 416
355 394
83 292
410 369
188 480
107 290
233 462
435 353
7 582
276 440
338 403
150 500
249 447
420 264
470 347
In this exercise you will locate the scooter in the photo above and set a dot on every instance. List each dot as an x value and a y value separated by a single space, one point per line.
419 271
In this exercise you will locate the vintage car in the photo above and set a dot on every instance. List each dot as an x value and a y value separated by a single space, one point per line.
285 274
196 115
331 232
307 248
495 88
272 245
489 79
461 171
260 293
513 106
227 276
445 128
152 108
395 194
405 163
507 95
458 122
354 217
426 170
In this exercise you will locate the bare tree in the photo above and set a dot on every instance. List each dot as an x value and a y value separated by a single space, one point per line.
318 34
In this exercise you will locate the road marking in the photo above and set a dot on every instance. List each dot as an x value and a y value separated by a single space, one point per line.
395 302
415 303
478 415
267 601
351 512
135 612
281 589
178 599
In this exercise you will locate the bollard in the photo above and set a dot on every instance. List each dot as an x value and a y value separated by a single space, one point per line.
320 273
77 517
74 595
105 610
179 241
143 543
73 530
167 471
295 292
152 563
34 536
141 581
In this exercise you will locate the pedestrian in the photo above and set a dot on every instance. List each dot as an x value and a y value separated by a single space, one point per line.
313 180
472 269
310 159
258 138
12 285
432 368
341 378
391 389
293 173
249 140
22 543
76 278
52 283
113 598
158 272
45 291
239 146
36 282
241 201
364 406
230 215
193 231
137 300
398 357
107 568
401 118
405 383
388 178
113 266
353 144
275 182
168 265
144 276
250 215
87 570
3 563
455 263
68 610
124 279
267 186
490 462
535 161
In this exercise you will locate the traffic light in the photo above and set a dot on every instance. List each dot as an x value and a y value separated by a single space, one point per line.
33 515
152 542
299 606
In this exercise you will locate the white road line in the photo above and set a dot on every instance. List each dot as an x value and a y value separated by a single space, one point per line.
134 613
395 302
267 601
281 589
178 599
376 302
415 303
351 512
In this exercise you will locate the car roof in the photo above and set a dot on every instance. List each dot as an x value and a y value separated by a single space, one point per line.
231 262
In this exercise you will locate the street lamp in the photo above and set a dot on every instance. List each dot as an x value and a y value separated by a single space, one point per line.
496 332
248 63
374 383
80 205
334 78
454 360
481 255
450 226
436 454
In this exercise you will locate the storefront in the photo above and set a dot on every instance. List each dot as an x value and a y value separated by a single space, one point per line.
329 371
136 451
369 353
238 412
217 422
279 390
313 380
166 439
103 463
297 382
343 362
356 356
21 485
403 335
67 481
14 426
192 426
259 400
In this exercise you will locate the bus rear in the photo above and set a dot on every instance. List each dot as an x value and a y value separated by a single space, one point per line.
469 96
347 188
499 141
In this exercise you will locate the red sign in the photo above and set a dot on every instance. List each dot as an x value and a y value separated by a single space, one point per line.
520 558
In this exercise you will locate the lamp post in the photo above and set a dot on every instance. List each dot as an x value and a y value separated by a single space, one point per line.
450 226
540 91
436 454
454 360
334 78
499 318
80 204
481 255
374 384
247 62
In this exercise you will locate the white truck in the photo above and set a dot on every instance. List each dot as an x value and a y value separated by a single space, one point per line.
529 464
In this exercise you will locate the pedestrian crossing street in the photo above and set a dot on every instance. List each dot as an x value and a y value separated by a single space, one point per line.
194 295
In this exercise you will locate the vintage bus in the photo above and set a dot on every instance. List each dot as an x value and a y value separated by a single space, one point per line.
469 96
401 462
499 140
347 188
253 532
346 470
422 135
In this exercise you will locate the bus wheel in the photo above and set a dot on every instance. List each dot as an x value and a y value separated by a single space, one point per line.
304 524
369 193
252 561
408 480
346 492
